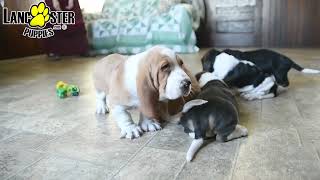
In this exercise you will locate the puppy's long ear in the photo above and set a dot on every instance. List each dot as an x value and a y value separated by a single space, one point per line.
190 104
207 65
148 93
208 60
198 75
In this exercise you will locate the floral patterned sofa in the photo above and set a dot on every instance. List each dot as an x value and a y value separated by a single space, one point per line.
129 27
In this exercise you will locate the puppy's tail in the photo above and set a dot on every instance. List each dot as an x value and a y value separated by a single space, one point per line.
305 70
310 71
194 147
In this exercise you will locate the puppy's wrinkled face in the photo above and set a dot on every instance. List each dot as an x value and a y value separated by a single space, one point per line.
173 82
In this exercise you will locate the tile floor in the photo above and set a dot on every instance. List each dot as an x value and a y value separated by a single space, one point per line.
43 137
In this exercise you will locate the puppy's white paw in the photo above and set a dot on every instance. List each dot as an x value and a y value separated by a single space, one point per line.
101 107
132 131
240 131
149 125
252 96
188 157
243 130
248 96
192 135
246 89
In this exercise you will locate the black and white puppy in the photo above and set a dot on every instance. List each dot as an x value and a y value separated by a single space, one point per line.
244 76
214 112
268 61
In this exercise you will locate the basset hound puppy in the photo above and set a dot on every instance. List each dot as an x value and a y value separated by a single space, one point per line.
150 81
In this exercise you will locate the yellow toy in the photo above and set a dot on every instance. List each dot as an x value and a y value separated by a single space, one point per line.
63 90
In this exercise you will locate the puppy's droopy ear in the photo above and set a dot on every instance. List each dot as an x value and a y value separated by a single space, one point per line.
199 74
147 91
190 104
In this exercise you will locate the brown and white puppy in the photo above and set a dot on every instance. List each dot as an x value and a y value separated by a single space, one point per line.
148 81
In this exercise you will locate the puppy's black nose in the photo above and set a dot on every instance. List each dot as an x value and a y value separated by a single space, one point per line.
186 84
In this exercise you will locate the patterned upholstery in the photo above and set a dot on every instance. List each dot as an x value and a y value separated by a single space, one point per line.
127 27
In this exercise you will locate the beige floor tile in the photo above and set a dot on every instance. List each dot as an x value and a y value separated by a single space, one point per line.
61 168
42 135
151 163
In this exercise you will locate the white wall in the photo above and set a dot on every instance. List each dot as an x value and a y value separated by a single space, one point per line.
91 6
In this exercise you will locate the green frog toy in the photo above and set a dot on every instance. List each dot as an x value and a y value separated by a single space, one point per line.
64 90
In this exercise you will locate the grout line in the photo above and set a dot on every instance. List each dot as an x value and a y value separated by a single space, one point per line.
36 149
19 132
62 155
299 119
317 153
134 155
167 149
22 169
56 137
180 170
299 137
235 160
12 112
303 118
13 135
149 147
261 106
98 164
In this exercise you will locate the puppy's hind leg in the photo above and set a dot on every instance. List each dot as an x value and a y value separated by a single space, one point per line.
100 102
281 89
239 131
194 147
107 105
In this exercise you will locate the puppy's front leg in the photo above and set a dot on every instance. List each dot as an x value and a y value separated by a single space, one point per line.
101 107
265 86
148 124
128 128
267 96
245 89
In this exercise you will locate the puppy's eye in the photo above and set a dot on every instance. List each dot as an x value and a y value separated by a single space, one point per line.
165 67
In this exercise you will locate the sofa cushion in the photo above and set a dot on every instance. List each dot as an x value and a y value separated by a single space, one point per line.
134 32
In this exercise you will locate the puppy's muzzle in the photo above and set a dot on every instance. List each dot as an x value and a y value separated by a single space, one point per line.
185 86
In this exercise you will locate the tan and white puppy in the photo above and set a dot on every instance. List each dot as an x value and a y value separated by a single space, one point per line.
147 80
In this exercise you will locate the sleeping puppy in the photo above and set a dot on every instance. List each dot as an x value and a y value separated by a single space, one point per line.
247 78
251 82
267 89
147 81
272 63
268 61
208 59
214 112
